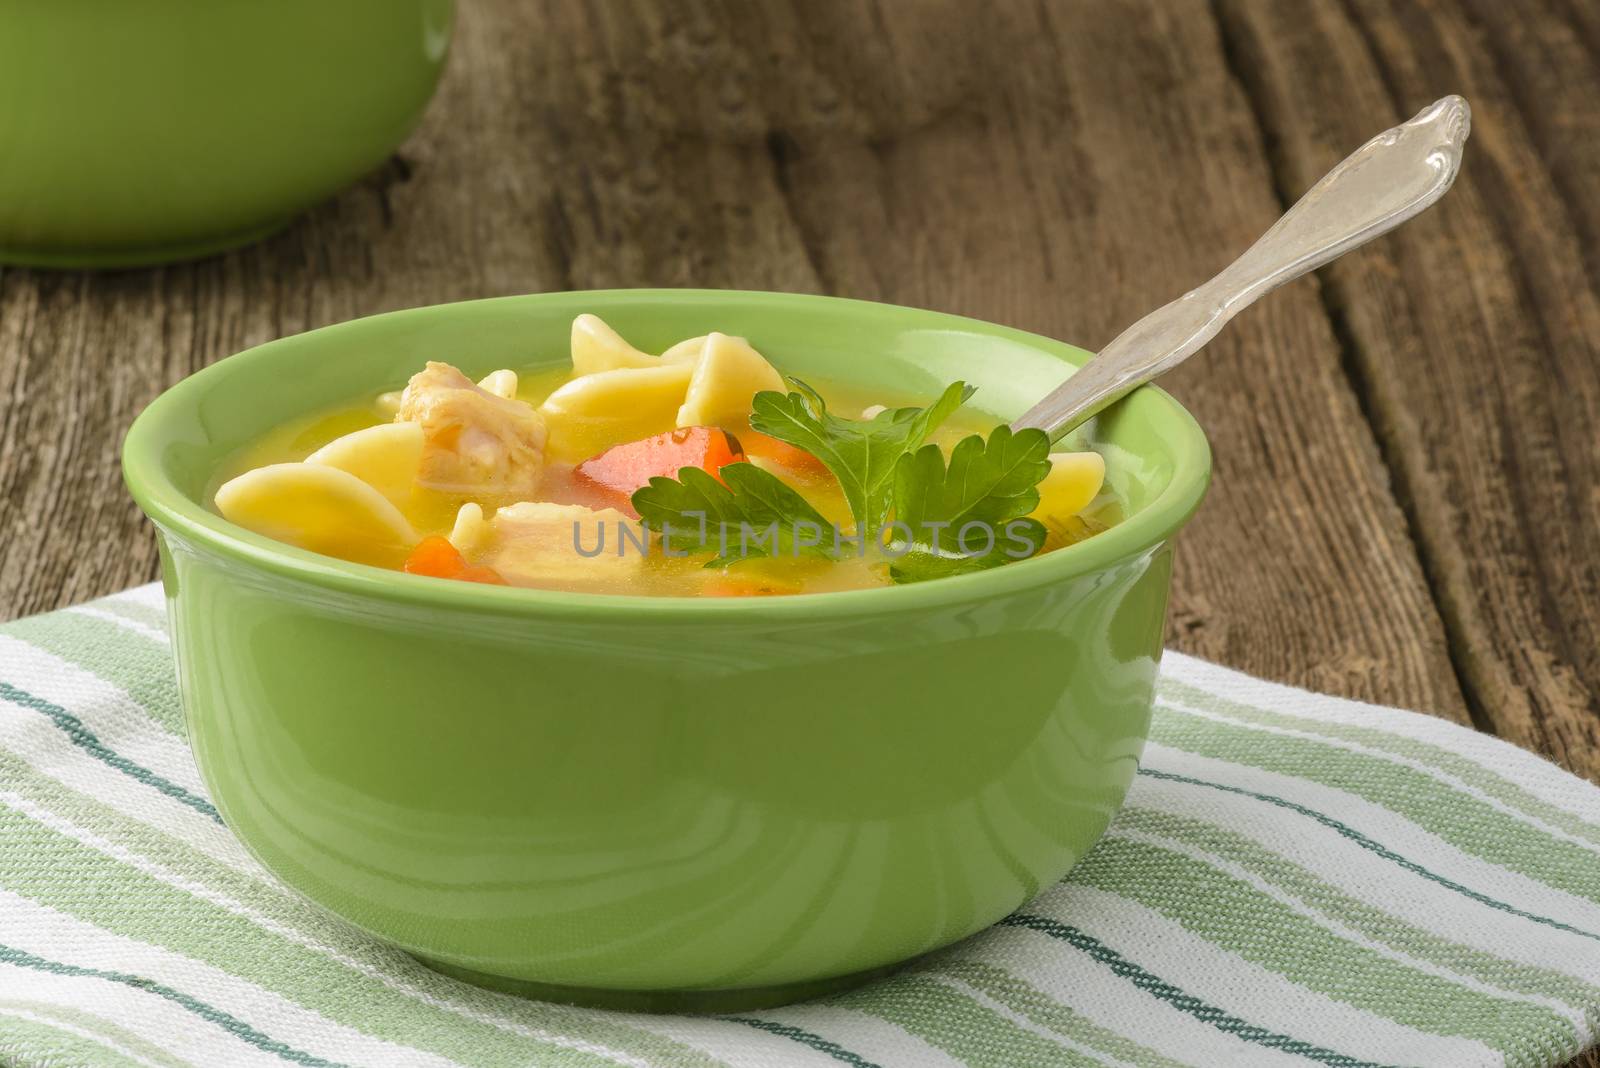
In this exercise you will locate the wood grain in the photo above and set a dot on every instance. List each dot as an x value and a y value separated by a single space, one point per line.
1474 334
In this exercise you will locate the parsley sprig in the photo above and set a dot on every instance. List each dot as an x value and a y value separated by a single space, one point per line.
940 518
861 453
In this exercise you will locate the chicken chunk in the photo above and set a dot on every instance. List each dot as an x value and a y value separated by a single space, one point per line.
474 442
563 547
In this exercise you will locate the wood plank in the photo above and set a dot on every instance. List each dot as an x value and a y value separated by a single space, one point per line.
1474 332
1059 167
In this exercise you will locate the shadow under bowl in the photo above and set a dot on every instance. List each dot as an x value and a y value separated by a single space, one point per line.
671 803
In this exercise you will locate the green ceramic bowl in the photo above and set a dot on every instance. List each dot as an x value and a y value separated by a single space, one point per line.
140 131
662 802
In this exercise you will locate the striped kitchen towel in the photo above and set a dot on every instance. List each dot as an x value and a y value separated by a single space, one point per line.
1295 879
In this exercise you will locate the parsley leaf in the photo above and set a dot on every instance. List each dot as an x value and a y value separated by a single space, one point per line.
861 453
971 515
755 514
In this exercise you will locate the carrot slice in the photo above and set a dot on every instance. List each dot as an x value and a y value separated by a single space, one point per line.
435 557
624 468
780 452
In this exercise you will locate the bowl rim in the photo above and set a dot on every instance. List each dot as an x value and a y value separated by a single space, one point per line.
179 516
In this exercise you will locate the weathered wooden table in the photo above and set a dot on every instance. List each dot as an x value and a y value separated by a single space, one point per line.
1407 496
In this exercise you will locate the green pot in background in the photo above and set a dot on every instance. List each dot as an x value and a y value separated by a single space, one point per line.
665 803
142 131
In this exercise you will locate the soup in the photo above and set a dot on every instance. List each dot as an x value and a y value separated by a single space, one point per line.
698 472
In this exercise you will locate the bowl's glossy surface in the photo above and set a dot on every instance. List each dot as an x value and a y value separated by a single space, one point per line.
139 131
635 795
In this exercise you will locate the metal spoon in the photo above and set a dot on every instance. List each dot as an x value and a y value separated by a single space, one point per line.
1382 184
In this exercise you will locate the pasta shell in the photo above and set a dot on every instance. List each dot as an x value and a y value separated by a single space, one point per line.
385 457
388 404
686 351
728 375
625 390
470 529
501 383
1074 480
596 347
321 508
601 409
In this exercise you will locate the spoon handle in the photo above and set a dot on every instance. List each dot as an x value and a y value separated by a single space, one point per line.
1382 184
